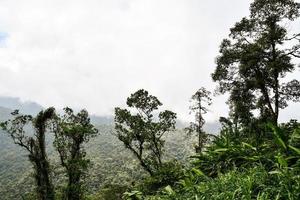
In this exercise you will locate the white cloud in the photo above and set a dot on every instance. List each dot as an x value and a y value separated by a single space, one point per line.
94 53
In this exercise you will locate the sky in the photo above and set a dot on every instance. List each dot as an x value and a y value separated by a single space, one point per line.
94 53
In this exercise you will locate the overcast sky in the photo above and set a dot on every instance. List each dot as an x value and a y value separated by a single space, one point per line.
93 53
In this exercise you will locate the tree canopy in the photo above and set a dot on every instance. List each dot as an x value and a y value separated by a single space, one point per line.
139 130
256 58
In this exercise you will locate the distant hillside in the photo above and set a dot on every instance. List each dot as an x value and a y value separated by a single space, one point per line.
14 165
111 162
9 104
101 120
14 103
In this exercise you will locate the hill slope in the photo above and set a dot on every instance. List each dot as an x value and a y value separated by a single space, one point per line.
111 162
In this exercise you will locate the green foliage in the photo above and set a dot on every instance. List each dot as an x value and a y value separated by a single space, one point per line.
133 195
140 132
108 192
35 146
110 164
255 183
222 157
228 170
72 131
200 100
255 58
251 158
225 154
168 174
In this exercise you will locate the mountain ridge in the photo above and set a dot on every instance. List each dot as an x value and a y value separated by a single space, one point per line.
9 104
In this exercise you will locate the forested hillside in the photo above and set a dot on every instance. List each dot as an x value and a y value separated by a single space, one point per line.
111 164
143 152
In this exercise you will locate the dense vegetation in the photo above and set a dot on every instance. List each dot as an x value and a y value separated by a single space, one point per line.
111 165
253 157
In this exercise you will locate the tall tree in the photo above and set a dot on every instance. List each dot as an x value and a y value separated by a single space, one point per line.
200 100
72 131
140 132
256 57
34 144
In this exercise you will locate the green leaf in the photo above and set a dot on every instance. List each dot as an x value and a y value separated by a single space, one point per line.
248 145
277 134
282 161
275 172
295 149
169 190
221 150
198 172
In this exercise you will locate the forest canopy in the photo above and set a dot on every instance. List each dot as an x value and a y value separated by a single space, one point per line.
142 154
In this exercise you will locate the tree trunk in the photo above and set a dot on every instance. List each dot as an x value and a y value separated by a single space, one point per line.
38 157
45 168
74 187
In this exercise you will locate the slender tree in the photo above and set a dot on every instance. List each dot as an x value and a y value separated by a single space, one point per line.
34 144
72 131
140 132
257 56
200 100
